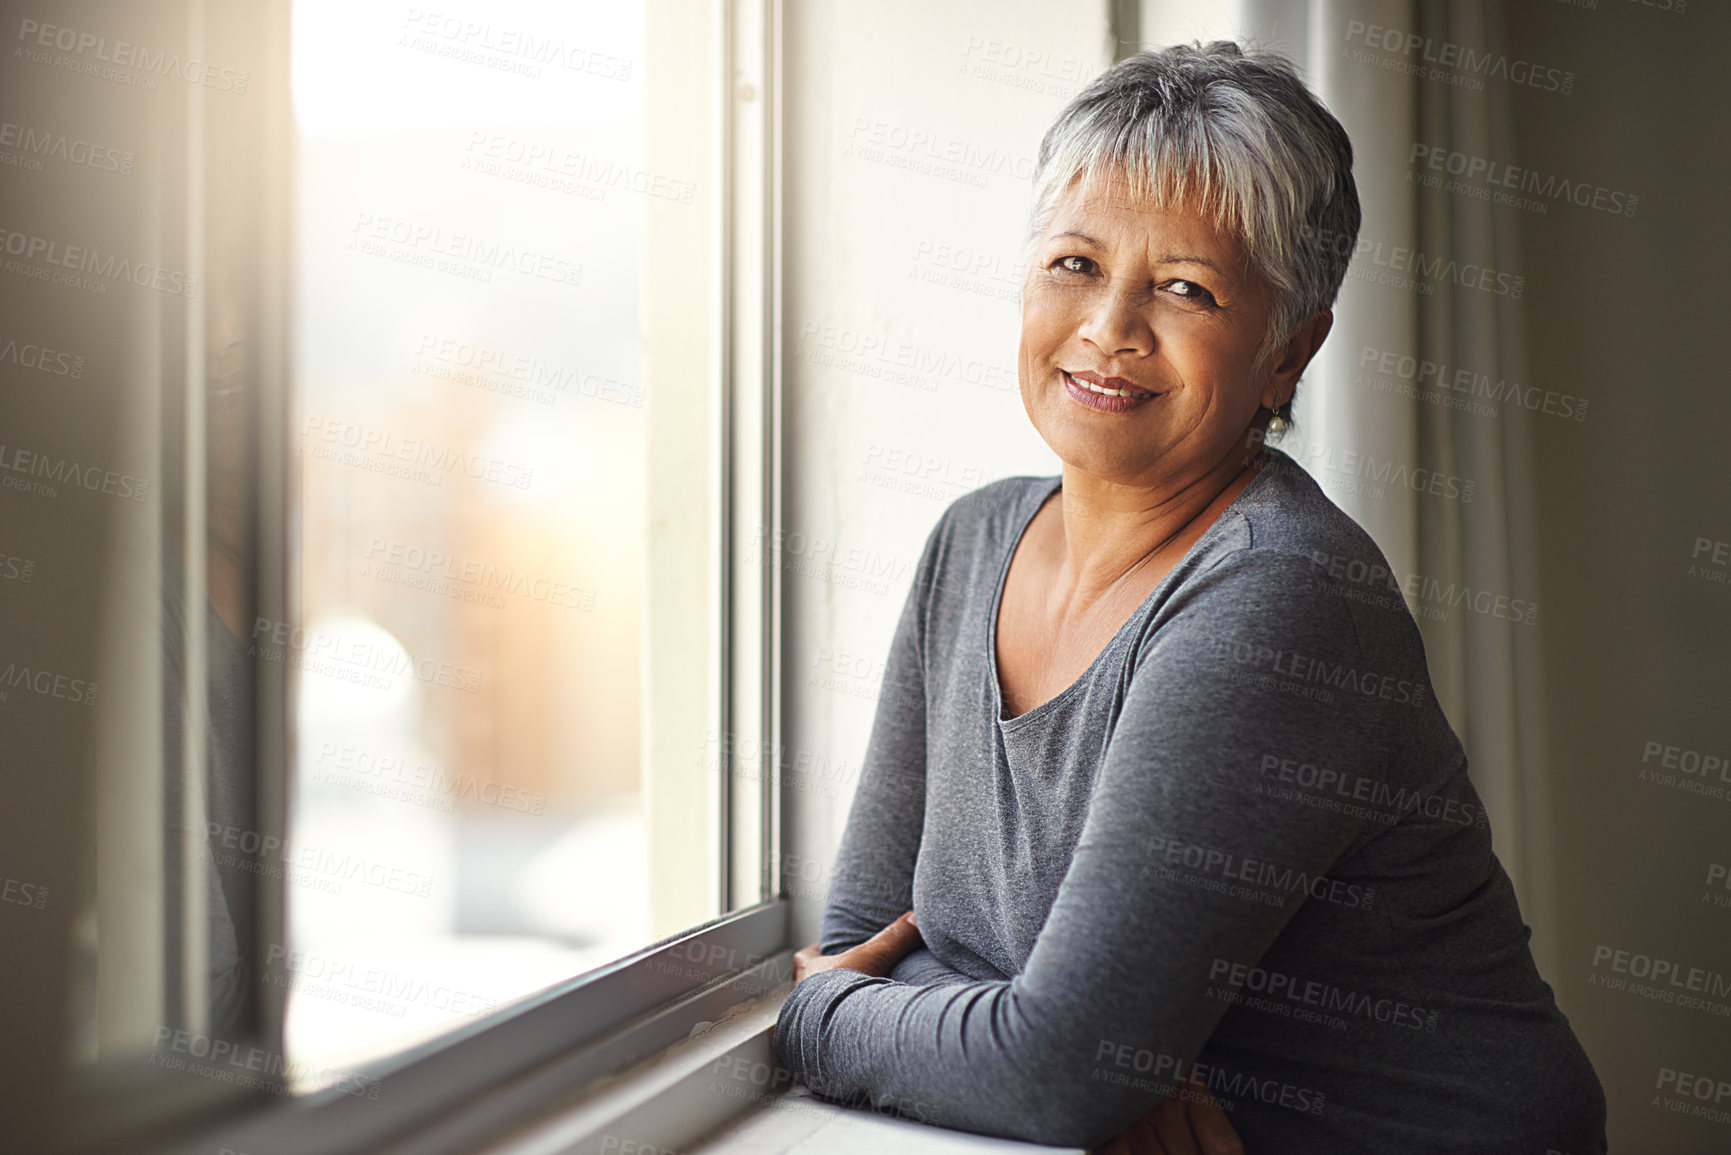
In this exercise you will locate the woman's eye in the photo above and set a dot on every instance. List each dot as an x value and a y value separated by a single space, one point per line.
1191 291
1073 264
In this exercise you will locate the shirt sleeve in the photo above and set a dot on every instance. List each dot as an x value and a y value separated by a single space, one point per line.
872 882
1179 863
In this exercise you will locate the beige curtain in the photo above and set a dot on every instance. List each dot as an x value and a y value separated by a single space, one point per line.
1486 667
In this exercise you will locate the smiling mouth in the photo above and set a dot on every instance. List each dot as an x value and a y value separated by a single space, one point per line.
1107 390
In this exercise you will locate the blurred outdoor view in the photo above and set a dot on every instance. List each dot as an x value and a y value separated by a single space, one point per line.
466 822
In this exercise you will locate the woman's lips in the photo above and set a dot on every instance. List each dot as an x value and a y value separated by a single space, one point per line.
1106 394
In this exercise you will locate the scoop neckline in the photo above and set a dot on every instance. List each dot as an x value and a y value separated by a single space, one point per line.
1053 485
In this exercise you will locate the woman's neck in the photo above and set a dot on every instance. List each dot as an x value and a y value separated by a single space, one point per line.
1113 531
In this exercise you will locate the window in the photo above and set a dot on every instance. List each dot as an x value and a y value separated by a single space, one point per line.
424 663
507 448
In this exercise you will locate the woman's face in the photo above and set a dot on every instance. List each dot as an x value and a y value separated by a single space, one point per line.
1161 308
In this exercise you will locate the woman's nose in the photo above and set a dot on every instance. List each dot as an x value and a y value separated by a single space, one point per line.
1116 324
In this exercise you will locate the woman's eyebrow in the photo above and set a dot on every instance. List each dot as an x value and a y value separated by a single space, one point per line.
1098 244
1185 259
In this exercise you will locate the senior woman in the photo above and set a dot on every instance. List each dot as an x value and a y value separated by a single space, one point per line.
1173 802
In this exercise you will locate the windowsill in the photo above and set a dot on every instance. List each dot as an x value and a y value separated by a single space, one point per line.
798 1123
720 1093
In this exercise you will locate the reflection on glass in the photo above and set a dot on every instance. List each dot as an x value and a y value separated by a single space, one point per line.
467 822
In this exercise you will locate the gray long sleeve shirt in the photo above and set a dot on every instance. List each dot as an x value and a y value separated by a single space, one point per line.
1241 845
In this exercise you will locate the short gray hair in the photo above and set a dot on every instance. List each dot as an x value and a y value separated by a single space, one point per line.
1235 135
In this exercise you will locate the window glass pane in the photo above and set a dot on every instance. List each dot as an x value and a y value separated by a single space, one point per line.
477 807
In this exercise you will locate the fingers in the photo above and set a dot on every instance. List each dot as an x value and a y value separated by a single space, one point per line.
1121 1144
802 960
877 955
1143 1139
1187 1122
1172 1127
1208 1122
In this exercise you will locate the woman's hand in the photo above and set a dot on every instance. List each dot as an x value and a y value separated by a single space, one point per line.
1186 1122
876 956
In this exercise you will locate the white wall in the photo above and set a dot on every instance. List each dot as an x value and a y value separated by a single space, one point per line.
909 138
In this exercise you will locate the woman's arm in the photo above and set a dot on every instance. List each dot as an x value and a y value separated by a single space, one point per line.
1188 1121
1177 867
872 883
